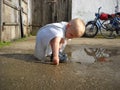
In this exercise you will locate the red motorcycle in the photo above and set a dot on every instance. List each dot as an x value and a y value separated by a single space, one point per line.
104 23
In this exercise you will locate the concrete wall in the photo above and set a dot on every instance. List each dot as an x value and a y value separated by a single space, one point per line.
86 9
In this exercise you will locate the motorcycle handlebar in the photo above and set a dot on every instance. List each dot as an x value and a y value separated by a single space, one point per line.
99 9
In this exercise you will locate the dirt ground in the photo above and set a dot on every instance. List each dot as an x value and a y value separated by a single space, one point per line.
19 70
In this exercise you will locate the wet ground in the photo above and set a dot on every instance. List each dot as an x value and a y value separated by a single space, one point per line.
93 64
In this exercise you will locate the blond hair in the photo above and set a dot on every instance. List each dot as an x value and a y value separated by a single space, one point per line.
78 26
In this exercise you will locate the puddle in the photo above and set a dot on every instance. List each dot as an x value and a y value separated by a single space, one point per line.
80 54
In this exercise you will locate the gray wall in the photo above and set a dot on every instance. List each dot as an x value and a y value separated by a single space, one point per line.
13 19
86 9
0 17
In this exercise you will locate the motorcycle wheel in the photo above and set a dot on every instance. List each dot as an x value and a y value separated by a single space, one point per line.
91 30
107 30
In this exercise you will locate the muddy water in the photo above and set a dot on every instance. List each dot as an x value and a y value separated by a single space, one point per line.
79 54
84 70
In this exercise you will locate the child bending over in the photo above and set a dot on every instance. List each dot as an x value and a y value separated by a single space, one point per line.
52 38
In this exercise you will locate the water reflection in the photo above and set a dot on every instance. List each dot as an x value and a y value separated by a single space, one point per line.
90 55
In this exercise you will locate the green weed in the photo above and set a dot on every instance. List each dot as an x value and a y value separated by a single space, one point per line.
2 44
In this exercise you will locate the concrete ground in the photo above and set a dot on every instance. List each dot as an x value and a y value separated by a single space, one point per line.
19 70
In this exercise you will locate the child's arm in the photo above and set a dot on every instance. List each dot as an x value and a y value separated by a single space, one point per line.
55 45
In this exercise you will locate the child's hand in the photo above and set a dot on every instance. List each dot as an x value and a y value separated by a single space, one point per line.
56 60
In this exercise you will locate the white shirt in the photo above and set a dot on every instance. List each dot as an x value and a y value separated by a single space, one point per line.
45 35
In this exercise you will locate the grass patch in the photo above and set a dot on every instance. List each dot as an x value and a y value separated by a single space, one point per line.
99 36
2 44
5 43
21 39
